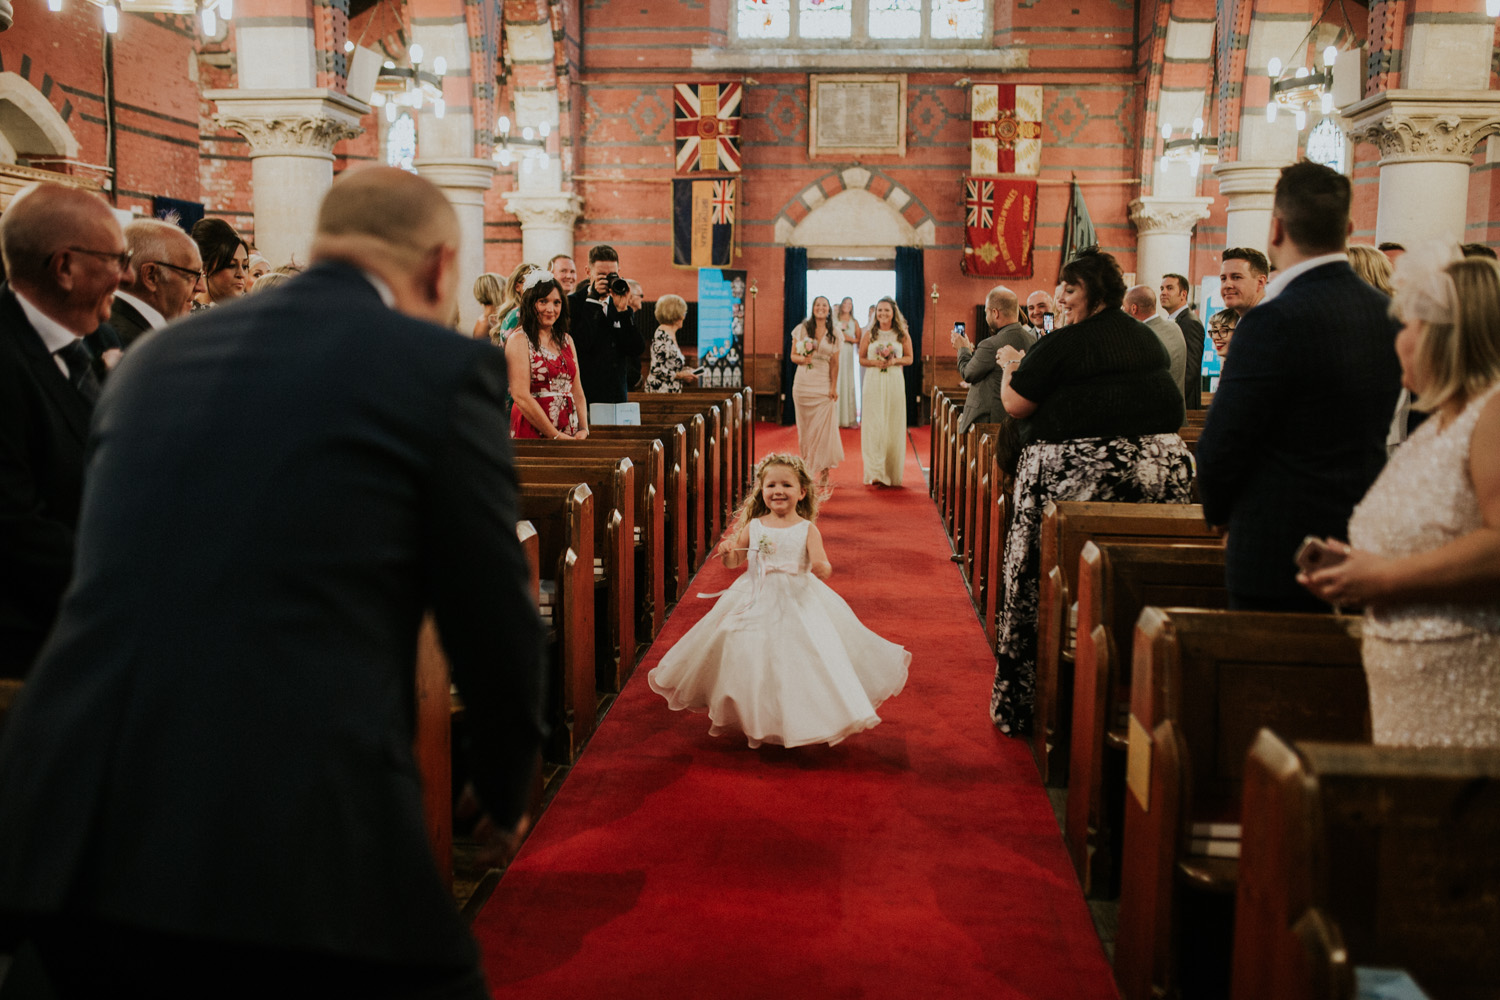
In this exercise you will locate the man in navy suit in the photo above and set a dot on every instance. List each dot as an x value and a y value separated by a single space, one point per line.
208 785
1296 433
65 257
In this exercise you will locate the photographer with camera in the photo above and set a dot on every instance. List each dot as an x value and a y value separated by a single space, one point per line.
609 345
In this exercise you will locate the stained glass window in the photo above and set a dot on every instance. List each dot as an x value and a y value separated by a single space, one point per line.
764 18
957 19
824 18
895 18
1326 145
401 142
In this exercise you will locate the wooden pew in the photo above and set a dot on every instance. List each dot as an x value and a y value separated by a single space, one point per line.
740 451
1116 580
1205 683
711 416
432 743
612 481
684 482
1066 527
651 505
564 520
1367 856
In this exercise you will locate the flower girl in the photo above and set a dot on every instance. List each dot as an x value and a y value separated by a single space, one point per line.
781 657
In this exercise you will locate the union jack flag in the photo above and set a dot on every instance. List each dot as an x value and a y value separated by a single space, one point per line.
707 126
979 198
723 202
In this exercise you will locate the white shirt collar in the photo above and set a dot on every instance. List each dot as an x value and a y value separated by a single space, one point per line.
54 335
381 288
154 319
1278 284
1178 312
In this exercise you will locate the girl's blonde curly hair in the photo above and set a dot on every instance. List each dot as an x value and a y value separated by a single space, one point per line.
754 504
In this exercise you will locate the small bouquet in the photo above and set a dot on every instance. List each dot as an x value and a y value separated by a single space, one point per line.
805 347
765 546
885 352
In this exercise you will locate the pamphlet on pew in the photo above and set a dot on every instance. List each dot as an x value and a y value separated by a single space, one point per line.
615 413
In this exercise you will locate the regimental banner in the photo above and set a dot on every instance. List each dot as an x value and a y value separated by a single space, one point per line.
1007 129
999 227
707 126
703 222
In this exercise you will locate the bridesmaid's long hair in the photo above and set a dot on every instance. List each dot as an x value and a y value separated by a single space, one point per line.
754 504
529 324
810 324
898 322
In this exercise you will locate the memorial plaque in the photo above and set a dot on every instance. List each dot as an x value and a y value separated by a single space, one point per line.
857 113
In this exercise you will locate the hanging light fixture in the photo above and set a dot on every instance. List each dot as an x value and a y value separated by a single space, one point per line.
533 143
1305 92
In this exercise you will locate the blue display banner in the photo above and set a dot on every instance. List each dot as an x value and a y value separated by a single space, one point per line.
721 327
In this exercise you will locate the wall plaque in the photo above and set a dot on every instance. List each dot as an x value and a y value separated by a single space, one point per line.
857 113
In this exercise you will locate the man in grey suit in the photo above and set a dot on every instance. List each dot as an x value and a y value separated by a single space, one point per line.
1140 302
168 272
977 364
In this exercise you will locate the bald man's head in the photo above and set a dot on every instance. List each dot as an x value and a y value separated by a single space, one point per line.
1140 302
1002 306
65 253
399 226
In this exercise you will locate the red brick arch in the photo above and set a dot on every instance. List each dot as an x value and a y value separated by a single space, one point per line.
854 179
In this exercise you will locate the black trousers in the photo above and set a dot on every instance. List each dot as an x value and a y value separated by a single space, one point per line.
63 958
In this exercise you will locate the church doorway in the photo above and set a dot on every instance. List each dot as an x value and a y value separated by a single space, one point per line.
865 281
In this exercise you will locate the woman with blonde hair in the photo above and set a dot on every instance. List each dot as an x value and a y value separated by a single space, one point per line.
488 292
886 349
847 328
1423 557
815 352
508 313
1372 267
668 369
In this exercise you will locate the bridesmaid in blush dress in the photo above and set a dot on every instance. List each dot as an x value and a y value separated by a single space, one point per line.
886 350
815 352
847 327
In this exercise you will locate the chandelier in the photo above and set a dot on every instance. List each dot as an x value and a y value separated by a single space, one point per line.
408 86
1298 91
1191 147
532 143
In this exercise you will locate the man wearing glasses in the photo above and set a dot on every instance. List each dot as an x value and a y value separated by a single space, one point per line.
168 273
64 256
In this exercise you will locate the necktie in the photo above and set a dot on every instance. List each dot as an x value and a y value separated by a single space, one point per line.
80 364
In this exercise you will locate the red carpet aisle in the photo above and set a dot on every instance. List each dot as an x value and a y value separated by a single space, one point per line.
919 859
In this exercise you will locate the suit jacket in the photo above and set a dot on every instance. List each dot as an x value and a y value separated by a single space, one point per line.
128 322
43 428
1296 433
978 368
1192 373
609 346
1171 337
217 741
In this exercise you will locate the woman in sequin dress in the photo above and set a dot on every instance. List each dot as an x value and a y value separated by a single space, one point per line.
543 366
1424 544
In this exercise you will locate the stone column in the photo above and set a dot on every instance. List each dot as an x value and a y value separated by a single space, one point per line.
546 222
1427 141
1165 228
291 134
465 181
1248 189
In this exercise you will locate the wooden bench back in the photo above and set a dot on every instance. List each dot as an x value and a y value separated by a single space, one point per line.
1368 856
563 517
1205 683
1116 580
684 478
705 421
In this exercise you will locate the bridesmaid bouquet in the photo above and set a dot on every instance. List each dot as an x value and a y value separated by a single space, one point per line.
766 546
806 346
885 352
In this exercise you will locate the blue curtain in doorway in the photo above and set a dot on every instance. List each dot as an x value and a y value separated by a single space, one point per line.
793 306
911 299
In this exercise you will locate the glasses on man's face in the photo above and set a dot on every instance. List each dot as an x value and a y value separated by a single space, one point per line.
192 275
121 260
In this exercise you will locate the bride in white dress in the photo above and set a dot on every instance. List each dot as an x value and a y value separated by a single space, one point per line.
884 350
781 657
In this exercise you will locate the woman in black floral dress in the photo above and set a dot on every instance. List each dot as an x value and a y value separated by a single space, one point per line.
668 368
1099 412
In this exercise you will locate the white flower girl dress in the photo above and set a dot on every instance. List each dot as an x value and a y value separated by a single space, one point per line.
781 657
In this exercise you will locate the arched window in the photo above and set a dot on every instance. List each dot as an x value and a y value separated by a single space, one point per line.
401 142
862 23
1326 144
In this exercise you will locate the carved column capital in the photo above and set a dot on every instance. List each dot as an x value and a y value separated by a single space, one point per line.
1168 216
556 210
289 122
1413 126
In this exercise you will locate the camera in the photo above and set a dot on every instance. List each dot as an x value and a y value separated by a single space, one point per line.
618 285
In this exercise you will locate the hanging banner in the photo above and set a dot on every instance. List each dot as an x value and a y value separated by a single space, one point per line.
999 227
703 222
721 328
1007 129
707 123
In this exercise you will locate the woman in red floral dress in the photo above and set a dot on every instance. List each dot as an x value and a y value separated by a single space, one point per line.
544 382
